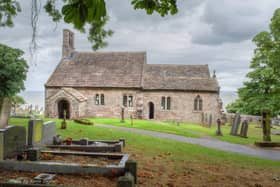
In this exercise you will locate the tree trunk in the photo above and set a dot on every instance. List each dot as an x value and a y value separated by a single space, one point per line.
5 110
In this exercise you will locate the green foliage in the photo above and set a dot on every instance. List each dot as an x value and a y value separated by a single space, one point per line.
8 9
17 100
163 7
261 91
235 107
13 70
81 14
97 33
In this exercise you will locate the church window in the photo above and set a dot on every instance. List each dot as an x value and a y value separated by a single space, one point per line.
166 103
97 99
102 99
125 101
198 104
163 103
130 101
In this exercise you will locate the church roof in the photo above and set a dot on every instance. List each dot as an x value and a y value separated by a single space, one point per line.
178 77
128 70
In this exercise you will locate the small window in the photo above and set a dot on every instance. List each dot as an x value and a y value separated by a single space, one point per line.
168 103
130 101
97 99
125 101
102 99
198 103
163 103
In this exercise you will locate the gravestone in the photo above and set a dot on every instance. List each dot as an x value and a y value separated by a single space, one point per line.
48 132
266 122
40 134
35 129
244 129
210 120
5 111
12 141
122 115
219 132
235 126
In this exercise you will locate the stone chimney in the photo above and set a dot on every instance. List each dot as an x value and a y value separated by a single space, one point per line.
68 43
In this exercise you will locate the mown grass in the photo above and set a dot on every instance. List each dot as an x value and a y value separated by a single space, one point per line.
151 146
189 130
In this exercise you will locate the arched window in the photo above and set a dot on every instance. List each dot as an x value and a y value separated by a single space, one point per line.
97 99
102 99
163 103
198 103
125 101
168 105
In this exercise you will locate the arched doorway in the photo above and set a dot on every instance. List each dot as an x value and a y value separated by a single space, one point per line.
151 110
63 105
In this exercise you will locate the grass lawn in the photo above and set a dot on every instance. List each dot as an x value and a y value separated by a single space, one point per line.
175 163
189 130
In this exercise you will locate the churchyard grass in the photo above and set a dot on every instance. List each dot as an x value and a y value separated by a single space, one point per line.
152 146
189 130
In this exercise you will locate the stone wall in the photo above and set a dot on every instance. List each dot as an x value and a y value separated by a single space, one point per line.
182 104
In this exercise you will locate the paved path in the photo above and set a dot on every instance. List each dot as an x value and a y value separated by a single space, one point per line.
211 143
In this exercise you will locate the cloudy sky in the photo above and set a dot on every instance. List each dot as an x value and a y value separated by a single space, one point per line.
217 33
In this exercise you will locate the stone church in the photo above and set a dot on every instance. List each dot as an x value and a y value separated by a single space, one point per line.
100 84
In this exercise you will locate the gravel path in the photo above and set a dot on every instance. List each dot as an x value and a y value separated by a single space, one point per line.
211 143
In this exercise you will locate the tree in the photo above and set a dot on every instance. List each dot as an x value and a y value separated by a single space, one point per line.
13 70
262 90
82 13
16 101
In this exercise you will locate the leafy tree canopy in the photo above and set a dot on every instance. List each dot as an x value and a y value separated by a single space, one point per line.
262 90
17 101
13 70
81 13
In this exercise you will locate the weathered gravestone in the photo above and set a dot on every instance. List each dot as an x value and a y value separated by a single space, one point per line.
266 122
35 132
122 114
244 129
219 132
5 110
40 134
48 132
12 141
210 120
235 126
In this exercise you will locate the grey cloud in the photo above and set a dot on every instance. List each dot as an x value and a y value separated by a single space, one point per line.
186 38
233 21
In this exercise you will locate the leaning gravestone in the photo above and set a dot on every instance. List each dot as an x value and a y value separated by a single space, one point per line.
235 126
12 141
244 129
5 111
